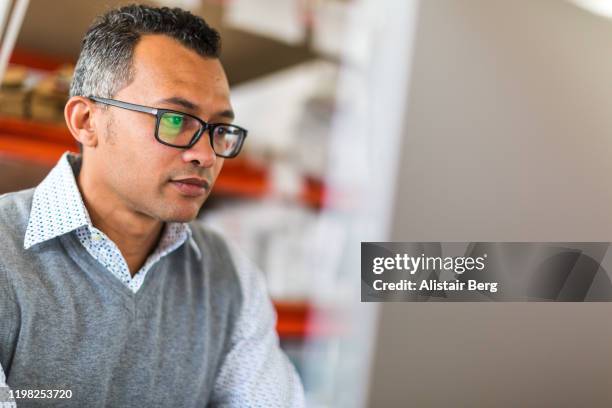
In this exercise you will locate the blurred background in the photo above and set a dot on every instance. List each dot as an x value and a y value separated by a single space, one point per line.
406 120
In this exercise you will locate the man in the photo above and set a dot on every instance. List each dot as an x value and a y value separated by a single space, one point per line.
107 292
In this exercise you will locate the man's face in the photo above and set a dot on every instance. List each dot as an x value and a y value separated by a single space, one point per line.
141 173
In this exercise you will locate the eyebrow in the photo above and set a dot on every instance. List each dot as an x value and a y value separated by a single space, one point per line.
184 103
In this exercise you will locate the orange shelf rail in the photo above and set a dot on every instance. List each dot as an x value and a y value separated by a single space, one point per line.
299 320
37 61
293 319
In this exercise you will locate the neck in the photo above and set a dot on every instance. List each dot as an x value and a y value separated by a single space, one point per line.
135 234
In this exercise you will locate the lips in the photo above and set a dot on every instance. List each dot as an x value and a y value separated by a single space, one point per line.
191 186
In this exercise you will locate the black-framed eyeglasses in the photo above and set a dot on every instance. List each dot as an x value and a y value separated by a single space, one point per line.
182 130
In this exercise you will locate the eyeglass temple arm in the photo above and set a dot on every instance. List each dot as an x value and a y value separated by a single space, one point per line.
125 105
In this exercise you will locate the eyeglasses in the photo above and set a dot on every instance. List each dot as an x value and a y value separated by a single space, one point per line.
182 130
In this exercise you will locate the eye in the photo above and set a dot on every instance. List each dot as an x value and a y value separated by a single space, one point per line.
173 120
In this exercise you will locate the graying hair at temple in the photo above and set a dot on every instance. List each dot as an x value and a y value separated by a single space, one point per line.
105 61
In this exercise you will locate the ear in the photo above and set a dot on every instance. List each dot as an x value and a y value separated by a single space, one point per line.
79 115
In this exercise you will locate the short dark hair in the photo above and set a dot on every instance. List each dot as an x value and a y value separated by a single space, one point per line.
105 62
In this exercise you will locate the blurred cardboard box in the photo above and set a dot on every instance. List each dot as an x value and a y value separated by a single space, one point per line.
50 94
13 92
36 95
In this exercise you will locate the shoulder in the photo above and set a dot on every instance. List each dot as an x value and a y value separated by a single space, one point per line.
16 205
14 215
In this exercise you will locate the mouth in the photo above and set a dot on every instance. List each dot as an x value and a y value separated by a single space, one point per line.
191 186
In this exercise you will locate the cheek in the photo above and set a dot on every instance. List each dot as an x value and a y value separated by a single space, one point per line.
135 163
146 167
217 167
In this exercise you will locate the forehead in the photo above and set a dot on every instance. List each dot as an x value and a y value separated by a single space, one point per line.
164 68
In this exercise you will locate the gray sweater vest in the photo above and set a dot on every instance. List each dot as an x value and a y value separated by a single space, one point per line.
66 323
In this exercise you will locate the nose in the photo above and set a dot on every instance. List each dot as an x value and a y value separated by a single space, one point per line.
201 154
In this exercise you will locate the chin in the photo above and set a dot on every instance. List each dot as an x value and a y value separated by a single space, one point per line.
181 217
178 214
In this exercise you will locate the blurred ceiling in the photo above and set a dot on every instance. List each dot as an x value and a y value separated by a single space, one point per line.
56 28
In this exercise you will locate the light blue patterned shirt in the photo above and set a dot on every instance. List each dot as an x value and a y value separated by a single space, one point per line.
58 209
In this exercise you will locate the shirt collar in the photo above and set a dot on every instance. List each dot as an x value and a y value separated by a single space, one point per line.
58 208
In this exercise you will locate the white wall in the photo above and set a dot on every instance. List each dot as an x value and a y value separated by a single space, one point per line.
509 134
508 137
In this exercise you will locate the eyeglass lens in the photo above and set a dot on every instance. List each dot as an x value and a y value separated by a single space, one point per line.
179 130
